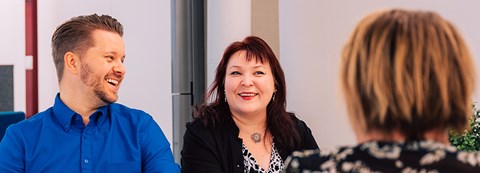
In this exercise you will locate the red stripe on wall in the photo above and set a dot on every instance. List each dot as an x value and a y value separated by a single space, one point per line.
31 50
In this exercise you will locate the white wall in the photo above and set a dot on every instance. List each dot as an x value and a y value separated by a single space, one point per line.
12 47
147 34
227 21
312 34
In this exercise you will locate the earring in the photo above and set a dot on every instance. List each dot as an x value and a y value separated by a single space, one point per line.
224 93
273 98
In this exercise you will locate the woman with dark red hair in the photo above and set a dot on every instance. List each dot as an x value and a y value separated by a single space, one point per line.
244 125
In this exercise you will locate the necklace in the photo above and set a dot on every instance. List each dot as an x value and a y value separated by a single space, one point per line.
256 137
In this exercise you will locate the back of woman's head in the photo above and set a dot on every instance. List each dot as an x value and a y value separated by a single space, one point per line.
407 71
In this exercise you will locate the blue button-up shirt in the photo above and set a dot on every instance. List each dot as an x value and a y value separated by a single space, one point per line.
117 139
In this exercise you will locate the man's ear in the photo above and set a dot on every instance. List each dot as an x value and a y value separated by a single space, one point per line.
71 62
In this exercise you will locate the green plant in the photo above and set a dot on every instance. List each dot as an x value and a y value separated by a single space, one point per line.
470 139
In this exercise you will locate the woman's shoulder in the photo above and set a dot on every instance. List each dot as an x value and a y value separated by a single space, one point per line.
299 124
386 157
198 131
295 119
309 160
202 126
209 115
198 125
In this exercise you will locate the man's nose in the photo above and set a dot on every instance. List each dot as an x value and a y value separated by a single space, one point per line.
119 68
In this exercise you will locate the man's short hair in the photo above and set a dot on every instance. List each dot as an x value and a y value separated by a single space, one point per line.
75 36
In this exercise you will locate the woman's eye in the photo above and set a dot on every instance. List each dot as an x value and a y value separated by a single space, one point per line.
259 72
235 73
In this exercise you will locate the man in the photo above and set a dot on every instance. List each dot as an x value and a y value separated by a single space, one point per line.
85 131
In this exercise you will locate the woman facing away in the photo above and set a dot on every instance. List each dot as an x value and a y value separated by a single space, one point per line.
244 125
407 78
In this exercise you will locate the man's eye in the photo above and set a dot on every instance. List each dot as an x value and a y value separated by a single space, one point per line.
109 58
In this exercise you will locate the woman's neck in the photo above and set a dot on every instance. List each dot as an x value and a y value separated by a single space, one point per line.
250 123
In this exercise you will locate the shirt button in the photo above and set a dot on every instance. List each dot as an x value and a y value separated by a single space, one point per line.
238 166
85 161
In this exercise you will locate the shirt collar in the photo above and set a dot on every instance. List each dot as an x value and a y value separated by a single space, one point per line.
102 115
64 114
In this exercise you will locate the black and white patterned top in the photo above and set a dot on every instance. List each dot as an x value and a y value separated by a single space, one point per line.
404 157
251 166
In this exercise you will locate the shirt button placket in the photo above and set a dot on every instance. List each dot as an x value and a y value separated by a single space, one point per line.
86 150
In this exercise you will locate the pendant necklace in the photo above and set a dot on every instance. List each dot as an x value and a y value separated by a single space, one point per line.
256 137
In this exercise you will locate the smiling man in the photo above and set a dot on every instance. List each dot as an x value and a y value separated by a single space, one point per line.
85 131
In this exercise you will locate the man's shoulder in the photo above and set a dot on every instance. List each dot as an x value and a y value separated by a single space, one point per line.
31 124
35 119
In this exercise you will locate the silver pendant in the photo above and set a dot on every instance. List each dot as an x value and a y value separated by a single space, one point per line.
256 137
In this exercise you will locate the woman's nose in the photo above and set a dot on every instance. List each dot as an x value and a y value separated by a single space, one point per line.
247 81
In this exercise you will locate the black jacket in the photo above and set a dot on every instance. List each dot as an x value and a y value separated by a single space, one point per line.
219 150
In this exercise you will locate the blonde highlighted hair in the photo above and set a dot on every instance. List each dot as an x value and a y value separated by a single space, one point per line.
407 71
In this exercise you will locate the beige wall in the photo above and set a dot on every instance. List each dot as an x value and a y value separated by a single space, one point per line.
265 22
147 84
227 21
312 33
12 47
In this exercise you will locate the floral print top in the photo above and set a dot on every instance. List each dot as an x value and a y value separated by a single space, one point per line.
403 157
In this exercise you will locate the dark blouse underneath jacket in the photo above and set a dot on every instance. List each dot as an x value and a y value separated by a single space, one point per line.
218 149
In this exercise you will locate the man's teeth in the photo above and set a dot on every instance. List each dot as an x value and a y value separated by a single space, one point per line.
111 81
247 95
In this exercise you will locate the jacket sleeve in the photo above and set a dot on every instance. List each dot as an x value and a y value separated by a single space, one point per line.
199 153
